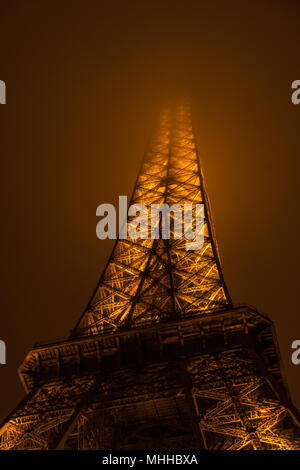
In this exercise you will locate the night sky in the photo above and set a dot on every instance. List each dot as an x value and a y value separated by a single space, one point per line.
85 81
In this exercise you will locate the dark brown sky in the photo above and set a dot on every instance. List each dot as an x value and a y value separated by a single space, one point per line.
84 82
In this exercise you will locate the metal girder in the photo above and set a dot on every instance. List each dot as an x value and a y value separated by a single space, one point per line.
150 280
160 359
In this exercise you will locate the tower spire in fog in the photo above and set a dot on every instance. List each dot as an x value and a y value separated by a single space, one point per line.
160 359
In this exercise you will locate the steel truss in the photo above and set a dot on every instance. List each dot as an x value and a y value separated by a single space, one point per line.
160 359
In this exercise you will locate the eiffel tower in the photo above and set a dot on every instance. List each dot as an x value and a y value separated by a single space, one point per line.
161 358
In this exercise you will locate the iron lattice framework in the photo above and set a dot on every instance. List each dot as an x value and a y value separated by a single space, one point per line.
150 280
160 359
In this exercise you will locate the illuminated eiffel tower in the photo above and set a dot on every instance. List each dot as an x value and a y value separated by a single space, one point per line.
160 359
